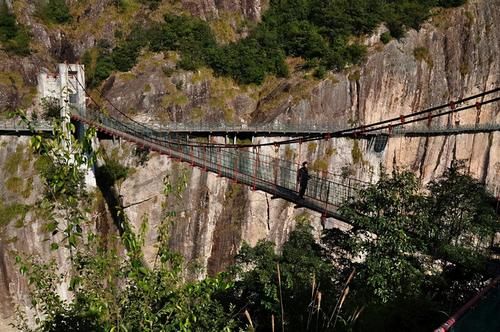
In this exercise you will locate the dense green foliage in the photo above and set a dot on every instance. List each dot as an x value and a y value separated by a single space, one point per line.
50 108
55 11
319 31
307 281
422 252
112 171
13 36
390 210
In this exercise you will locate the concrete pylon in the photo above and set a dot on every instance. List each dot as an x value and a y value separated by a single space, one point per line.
67 89
67 86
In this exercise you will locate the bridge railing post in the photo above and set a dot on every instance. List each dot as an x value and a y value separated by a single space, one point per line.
327 198
348 188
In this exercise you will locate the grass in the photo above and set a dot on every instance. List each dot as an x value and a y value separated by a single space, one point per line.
330 151
464 69
289 153
354 76
470 18
302 217
311 147
28 188
12 164
11 78
320 165
228 114
128 76
357 155
223 31
196 113
175 99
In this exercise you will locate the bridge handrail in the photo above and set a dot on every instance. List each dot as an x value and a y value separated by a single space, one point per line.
155 136
248 165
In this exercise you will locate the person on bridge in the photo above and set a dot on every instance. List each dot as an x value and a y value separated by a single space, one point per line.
302 178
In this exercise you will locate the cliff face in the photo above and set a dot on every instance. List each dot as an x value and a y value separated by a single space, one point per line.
22 229
249 9
452 56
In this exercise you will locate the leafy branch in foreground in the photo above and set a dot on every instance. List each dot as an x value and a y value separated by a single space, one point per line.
62 163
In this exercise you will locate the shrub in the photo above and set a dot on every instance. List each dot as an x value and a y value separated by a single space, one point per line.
451 3
385 37
152 4
422 54
113 171
8 26
15 37
103 68
320 72
55 11
51 108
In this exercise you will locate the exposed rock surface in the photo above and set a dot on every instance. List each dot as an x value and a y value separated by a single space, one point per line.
20 187
250 9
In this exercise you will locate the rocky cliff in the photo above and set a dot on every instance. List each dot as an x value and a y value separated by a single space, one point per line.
454 55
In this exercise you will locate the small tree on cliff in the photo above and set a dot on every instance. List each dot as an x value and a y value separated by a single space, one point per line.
386 217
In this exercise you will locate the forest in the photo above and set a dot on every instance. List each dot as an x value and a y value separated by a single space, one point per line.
323 33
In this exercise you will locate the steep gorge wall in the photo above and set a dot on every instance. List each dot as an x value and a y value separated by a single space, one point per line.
460 48
459 57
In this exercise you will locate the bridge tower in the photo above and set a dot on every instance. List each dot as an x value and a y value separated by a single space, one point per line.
67 87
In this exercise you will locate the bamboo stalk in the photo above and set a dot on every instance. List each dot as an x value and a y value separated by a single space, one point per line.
247 315
281 299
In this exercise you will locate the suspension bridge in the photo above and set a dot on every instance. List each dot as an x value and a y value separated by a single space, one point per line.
14 126
243 163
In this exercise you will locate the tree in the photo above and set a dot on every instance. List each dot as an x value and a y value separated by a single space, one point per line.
306 285
461 212
56 11
384 214
13 35
462 221
417 252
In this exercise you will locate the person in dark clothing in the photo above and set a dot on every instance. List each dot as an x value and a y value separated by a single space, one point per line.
302 178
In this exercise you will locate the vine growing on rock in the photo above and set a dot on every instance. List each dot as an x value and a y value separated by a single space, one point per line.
62 163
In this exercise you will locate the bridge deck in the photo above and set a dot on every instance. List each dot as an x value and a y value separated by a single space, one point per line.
13 127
